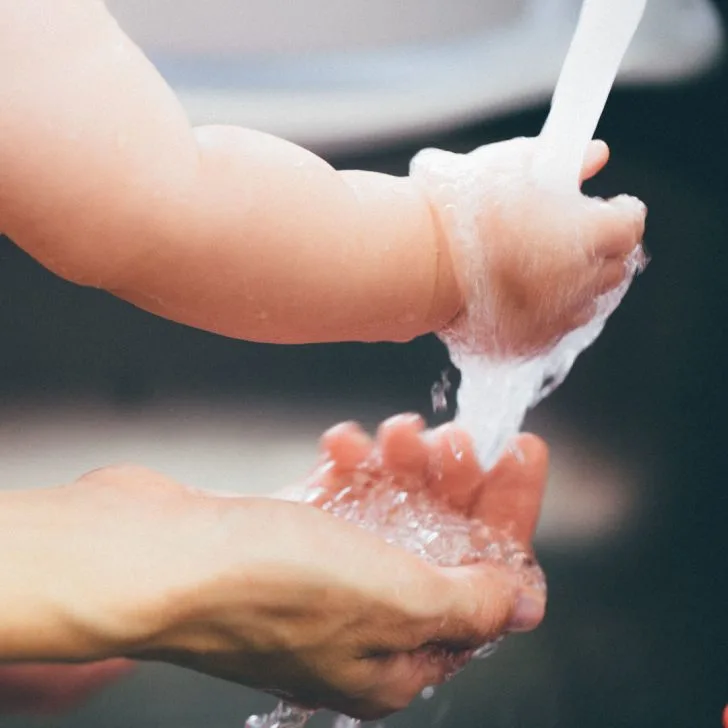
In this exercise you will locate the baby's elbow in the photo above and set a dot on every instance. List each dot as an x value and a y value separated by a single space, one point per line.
84 260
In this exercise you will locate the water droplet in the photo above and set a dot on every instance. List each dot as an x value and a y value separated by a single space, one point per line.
486 650
439 393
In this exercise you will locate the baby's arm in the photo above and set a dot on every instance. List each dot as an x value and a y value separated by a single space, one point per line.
105 183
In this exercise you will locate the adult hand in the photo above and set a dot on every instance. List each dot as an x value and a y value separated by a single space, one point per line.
267 593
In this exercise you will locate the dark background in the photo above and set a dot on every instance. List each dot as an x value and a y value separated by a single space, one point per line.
636 633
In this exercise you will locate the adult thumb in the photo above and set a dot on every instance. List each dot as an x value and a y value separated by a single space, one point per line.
485 603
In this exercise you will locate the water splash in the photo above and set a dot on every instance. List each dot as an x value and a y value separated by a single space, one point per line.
284 716
495 394
493 194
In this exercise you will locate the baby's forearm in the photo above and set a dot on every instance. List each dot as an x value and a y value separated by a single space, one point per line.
104 182
279 247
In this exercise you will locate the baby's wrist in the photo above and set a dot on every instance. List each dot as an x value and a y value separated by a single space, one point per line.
447 300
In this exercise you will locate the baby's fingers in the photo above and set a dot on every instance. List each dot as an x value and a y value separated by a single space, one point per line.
616 227
611 275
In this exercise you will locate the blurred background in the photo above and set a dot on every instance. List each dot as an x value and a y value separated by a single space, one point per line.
634 536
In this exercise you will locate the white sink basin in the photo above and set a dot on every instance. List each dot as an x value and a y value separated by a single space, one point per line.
342 74
240 27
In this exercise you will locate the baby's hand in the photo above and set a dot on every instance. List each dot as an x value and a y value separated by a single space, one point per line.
530 260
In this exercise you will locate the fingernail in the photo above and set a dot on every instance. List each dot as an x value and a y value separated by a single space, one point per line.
527 614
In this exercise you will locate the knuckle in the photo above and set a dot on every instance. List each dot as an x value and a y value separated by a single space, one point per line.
434 607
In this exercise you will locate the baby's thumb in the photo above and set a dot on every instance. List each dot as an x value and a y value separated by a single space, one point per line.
487 602
595 159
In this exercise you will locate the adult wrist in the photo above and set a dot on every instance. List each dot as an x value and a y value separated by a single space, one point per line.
186 614
66 596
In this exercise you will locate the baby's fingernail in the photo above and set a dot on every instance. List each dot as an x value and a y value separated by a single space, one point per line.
528 613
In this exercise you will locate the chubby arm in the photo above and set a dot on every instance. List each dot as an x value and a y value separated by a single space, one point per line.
104 182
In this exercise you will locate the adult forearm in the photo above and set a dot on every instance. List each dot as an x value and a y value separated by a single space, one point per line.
37 621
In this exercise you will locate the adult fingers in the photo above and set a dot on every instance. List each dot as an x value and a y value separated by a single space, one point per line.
346 446
454 472
512 493
402 447
467 607
486 602
396 680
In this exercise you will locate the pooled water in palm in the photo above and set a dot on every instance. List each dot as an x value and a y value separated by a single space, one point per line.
496 389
